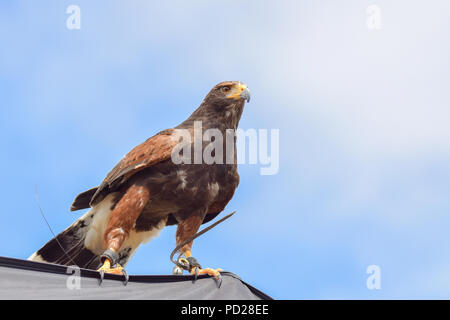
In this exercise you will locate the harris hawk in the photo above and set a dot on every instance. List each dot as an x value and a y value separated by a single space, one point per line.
147 191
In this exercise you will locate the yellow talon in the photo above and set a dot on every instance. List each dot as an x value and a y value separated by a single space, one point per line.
209 271
118 269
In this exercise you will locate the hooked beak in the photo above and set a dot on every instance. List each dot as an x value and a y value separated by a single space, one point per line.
240 92
246 94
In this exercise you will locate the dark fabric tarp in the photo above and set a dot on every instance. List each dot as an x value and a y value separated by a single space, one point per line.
22 279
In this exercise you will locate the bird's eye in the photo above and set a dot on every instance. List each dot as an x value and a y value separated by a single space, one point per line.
225 89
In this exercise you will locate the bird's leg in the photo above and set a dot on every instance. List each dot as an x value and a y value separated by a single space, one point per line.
120 223
186 229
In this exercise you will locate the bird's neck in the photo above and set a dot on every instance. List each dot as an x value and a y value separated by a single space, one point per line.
226 117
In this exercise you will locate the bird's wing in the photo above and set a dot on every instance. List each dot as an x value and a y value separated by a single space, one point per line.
154 150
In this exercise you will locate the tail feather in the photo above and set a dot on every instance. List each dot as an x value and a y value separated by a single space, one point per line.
82 243
68 247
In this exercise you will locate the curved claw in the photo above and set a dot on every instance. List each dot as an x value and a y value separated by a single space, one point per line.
102 275
126 275
219 281
195 274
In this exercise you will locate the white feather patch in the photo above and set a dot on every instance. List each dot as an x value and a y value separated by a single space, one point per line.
96 229
137 238
213 189
36 257
182 176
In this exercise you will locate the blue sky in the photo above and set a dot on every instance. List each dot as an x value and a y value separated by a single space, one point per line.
363 117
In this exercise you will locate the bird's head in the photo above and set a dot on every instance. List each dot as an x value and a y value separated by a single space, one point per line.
225 102
222 107
228 93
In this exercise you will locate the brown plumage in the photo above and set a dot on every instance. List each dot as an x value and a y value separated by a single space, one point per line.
147 190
